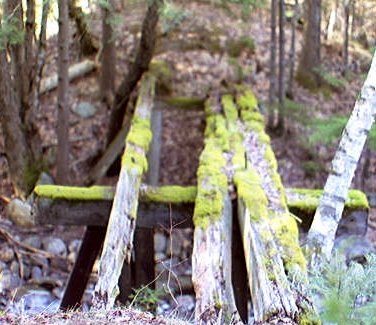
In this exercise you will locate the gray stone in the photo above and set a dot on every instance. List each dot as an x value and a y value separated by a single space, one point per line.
159 257
39 260
371 199
6 253
45 179
353 223
184 305
160 243
58 292
72 256
9 280
34 241
74 245
15 267
3 266
36 301
84 109
174 245
20 213
353 247
54 245
36 273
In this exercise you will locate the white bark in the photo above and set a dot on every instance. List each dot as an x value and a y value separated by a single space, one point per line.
322 233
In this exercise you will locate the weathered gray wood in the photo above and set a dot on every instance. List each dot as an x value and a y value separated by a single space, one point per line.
75 71
121 226
154 153
269 233
211 257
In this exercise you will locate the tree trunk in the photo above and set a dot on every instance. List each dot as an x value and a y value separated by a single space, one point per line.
331 21
321 235
88 45
310 60
345 52
63 101
108 67
19 156
281 76
292 52
272 77
140 65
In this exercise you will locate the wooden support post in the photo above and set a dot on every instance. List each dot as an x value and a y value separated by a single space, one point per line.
89 250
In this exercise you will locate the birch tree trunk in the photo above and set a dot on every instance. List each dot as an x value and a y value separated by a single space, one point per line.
321 235
63 108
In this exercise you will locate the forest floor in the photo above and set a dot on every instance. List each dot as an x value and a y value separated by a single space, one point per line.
197 50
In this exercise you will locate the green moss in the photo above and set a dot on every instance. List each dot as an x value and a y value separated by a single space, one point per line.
247 101
248 184
212 184
270 157
163 74
185 102
56 192
140 134
309 199
171 194
229 107
134 160
287 234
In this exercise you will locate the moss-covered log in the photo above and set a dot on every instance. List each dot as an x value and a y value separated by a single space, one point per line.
121 226
211 258
269 232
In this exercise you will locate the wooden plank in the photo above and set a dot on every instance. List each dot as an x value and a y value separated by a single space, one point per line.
269 232
211 257
118 244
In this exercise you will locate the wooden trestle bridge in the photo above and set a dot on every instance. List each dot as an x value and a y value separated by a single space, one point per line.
245 223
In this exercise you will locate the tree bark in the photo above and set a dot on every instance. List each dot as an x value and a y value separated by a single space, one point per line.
321 235
140 65
108 67
63 100
292 52
281 76
272 77
345 52
19 156
88 45
310 59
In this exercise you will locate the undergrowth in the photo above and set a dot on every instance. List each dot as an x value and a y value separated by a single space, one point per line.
346 295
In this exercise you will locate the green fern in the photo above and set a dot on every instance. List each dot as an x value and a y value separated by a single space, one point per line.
346 295
171 17
330 79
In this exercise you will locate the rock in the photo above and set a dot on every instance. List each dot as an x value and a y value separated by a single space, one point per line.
3 266
74 245
58 292
39 260
35 301
355 248
160 243
15 267
185 305
36 273
174 247
45 179
159 257
353 223
6 253
20 213
371 199
33 241
84 109
9 280
54 245
72 256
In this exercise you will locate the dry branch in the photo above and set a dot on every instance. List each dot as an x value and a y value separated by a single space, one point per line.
75 71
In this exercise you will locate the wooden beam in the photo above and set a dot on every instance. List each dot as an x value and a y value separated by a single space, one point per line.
118 244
